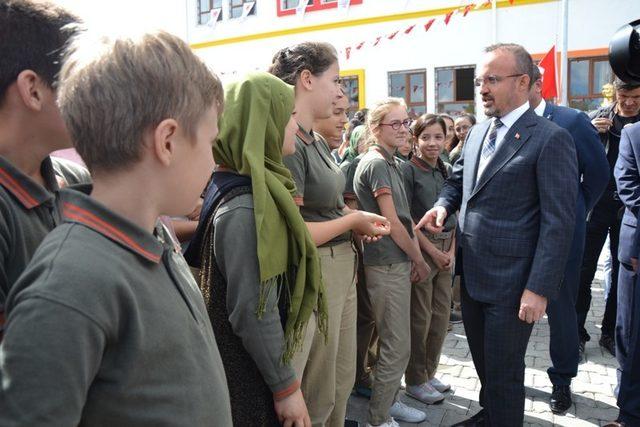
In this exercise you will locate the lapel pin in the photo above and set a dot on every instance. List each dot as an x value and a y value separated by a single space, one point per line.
517 136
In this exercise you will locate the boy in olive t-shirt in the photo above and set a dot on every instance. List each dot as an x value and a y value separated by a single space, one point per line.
106 326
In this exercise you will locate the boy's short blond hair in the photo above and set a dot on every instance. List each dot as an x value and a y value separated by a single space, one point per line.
113 91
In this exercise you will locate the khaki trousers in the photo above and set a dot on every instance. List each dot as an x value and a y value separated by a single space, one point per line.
329 371
457 306
389 289
430 309
367 341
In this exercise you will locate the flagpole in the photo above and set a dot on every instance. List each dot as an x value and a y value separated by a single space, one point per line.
494 21
564 59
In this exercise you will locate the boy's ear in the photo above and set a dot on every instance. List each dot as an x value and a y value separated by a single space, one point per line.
31 89
164 137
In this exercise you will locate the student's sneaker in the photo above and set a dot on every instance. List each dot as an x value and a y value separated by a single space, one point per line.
439 385
400 411
425 393
390 423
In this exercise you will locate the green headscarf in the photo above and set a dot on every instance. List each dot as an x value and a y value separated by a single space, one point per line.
257 110
352 150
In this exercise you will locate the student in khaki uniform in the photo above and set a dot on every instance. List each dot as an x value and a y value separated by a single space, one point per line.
106 326
391 263
326 362
424 175
332 129
255 295
30 129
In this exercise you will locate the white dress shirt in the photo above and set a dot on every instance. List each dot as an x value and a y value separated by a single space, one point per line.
507 122
539 110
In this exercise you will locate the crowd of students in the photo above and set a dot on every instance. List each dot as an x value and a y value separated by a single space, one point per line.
304 278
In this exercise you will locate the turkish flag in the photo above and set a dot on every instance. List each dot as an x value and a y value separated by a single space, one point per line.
548 70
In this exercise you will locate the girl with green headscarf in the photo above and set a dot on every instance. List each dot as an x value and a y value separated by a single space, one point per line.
259 269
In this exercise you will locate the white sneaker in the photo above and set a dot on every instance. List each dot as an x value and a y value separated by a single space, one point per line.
390 423
402 412
425 392
439 385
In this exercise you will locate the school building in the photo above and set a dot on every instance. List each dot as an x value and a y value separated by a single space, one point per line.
422 50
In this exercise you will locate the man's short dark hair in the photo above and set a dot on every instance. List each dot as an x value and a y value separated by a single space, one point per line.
524 62
32 37
620 85
535 73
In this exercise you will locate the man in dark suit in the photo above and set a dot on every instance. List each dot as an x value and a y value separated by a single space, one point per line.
517 201
593 176
627 174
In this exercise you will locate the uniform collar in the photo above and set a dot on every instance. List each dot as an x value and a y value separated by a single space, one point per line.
421 164
304 136
510 118
80 208
384 153
26 190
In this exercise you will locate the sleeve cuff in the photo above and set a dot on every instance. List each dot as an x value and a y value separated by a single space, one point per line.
380 191
287 391
349 196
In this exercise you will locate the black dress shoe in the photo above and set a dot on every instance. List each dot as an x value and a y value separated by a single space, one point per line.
608 343
560 399
476 421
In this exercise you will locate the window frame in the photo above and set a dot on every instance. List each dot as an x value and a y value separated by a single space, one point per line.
358 75
454 68
208 12
590 75
407 84
313 6
232 7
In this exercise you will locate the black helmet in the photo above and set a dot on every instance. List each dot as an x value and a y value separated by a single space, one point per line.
624 52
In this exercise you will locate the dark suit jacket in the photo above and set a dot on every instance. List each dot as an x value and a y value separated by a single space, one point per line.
628 182
516 223
593 167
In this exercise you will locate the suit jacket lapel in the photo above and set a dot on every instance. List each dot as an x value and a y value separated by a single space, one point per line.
513 141
548 111
474 148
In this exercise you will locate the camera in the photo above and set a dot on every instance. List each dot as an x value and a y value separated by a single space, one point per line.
624 52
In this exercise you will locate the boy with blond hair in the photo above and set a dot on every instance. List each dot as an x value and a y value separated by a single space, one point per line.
106 327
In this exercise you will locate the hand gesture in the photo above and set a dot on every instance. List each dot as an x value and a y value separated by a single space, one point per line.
371 227
433 220
602 124
292 411
442 260
419 271
532 306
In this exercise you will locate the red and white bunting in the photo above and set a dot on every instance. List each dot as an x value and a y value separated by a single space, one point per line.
347 52
377 41
409 29
359 45
301 8
344 4
246 9
393 35
447 17
213 17
428 25
467 9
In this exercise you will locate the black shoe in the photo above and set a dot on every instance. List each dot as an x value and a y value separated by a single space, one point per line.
455 317
560 399
608 343
581 351
476 421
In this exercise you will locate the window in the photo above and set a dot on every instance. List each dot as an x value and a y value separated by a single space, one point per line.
353 86
288 7
410 85
455 92
587 76
236 7
204 10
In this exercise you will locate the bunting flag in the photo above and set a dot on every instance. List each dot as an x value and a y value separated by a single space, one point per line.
511 2
347 51
246 9
392 35
302 7
213 17
359 46
377 40
344 4
467 8
429 24
447 17
548 70
409 29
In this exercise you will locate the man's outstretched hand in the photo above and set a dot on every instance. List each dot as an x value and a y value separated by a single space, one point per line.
433 220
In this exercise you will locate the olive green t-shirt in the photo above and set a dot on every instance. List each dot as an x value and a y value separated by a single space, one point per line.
319 182
422 184
378 173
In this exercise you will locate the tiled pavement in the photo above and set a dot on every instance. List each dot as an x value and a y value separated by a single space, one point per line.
594 402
